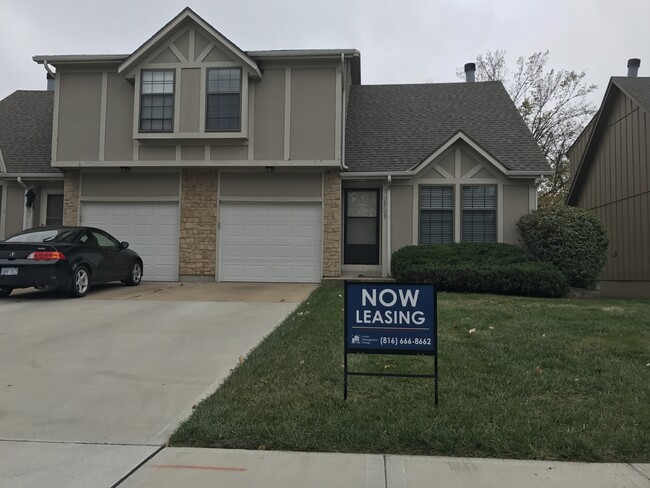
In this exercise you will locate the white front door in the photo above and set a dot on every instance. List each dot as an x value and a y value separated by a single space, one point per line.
151 229
270 242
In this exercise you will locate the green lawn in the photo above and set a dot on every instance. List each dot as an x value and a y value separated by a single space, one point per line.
539 378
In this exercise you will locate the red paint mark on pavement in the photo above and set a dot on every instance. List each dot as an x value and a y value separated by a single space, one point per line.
208 468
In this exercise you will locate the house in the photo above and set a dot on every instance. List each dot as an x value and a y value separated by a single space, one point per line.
611 177
25 163
222 164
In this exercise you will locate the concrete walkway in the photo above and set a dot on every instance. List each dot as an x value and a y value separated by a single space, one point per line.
199 468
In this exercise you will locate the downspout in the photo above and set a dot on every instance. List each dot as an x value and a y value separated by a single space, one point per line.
25 208
343 86
388 225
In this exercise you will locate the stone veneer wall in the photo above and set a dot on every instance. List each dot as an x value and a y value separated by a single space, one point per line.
198 232
71 197
332 224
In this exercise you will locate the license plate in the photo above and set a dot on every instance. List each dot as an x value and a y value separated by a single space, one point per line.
9 272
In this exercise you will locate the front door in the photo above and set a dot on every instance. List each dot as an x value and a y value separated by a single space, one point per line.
361 231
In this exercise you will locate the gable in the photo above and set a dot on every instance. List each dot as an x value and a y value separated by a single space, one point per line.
460 162
619 129
188 40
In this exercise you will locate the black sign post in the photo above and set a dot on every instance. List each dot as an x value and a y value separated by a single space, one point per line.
390 318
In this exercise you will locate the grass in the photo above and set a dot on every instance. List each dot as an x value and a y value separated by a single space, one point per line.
561 379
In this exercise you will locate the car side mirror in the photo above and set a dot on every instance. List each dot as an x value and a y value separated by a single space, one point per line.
124 245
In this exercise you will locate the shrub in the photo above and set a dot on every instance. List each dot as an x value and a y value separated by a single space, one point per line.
480 268
573 239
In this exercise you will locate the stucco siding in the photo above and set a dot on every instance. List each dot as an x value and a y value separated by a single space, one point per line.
15 209
229 153
277 184
115 184
313 113
79 116
401 217
157 153
516 204
269 115
190 99
119 119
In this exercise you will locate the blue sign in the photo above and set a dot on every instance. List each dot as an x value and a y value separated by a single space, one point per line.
391 318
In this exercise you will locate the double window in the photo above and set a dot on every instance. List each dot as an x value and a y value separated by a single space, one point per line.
223 103
478 214
223 100
157 101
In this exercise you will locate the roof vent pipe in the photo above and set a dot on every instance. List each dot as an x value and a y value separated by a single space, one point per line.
470 71
633 67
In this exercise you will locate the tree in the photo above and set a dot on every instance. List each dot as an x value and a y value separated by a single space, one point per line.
553 105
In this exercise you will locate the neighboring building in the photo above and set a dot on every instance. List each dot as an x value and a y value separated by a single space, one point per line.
611 177
221 164
26 163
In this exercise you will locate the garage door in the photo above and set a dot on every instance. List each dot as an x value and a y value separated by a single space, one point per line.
270 242
151 229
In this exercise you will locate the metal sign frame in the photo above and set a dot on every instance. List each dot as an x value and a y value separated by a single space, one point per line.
432 352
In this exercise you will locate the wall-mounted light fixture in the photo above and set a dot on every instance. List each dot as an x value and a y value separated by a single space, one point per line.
125 169
270 169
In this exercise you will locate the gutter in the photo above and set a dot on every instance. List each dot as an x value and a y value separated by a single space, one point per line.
411 174
33 176
343 166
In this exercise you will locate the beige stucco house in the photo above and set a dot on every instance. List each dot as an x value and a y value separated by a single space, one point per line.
611 177
222 164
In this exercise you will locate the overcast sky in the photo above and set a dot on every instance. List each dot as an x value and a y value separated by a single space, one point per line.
401 41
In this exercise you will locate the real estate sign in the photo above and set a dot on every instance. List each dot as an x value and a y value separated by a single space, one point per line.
390 318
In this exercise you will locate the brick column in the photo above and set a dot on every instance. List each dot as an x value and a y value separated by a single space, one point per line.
71 197
198 231
332 224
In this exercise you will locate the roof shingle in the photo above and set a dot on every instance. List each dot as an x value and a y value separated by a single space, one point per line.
637 88
26 131
395 127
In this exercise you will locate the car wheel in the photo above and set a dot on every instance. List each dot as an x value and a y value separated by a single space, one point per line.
135 276
80 282
5 292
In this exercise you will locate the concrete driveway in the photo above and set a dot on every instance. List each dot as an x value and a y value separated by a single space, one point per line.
90 388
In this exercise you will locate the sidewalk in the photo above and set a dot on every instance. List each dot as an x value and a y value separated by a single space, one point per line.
199 468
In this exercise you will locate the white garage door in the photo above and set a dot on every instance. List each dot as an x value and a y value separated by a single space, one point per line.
151 229
270 242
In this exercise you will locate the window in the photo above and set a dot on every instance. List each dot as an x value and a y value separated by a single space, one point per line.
436 214
104 240
479 205
157 101
223 106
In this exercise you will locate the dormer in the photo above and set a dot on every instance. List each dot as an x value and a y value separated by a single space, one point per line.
190 83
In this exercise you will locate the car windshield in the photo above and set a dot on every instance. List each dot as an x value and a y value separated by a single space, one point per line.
46 235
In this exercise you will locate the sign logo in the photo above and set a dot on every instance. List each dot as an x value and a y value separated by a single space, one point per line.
12 255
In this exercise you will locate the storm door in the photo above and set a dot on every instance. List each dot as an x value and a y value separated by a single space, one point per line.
361 244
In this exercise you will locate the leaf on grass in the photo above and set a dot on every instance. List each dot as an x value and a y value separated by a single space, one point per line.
302 361
538 370
472 331
386 366
241 359
491 327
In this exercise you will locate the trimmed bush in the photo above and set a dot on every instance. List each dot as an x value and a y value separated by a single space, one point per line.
573 239
479 268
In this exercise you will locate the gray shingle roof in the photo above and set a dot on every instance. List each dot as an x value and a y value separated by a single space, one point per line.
637 88
26 131
395 127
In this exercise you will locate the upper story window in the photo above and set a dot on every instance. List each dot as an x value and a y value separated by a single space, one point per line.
436 214
479 204
223 106
157 101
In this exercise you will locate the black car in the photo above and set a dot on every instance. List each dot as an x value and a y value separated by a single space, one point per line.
69 258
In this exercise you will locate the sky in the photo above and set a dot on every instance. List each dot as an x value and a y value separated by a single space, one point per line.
401 41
